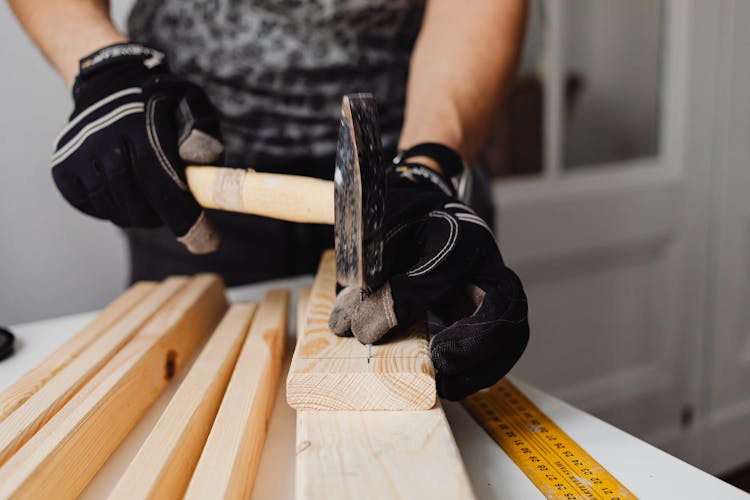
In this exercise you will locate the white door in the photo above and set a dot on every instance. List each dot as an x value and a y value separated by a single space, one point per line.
608 229
727 442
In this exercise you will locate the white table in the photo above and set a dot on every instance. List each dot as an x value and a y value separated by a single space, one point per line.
645 470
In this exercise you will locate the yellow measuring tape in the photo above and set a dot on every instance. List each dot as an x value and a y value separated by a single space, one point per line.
555 463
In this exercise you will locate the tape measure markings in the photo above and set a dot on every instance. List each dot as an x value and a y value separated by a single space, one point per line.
551 459
531 439
540 448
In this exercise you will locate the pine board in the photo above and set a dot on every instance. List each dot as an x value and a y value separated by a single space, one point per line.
63 456
377 454
21 425
165 462
339 373
25 387
230 459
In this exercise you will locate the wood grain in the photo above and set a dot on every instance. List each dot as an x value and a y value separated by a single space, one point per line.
25 387
377 454
165 462
62 457
303 303
335 373
20 425
230 459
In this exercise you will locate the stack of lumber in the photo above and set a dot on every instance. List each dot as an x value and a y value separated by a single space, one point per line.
368 421
61 421
369 424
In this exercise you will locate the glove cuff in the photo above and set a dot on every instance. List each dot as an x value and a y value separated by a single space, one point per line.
113 68
118 53
449 160
417 173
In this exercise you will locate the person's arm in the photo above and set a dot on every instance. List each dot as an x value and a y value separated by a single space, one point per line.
121 156
67 30
461 68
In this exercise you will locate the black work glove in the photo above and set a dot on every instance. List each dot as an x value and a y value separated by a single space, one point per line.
443 258
6 343
121 157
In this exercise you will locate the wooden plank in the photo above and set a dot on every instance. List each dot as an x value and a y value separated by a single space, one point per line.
303 303
25 387
166 460
335 373
377 454
20 425
62 457
229 462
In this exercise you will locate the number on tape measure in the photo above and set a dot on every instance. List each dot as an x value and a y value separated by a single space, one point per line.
556 464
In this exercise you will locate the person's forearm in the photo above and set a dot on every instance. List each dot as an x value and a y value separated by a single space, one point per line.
67 30
461 67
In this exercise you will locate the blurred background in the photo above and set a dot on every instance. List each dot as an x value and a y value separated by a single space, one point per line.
621 170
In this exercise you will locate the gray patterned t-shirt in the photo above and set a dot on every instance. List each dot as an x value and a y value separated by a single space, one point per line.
277 69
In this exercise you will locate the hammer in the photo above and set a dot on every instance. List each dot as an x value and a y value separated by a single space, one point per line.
353 202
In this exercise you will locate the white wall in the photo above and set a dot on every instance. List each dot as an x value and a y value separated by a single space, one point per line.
53 260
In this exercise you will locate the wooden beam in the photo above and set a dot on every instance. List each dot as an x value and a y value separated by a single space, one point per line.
63 456
377 454
335 373
229 462
25 387
303 303
166 460
20 425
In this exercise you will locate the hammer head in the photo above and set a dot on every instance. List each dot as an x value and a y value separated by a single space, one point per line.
359 180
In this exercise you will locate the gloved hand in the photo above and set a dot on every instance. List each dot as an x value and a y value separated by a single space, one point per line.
441 257
121 157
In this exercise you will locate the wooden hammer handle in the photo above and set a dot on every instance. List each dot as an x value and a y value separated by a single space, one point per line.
287 197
